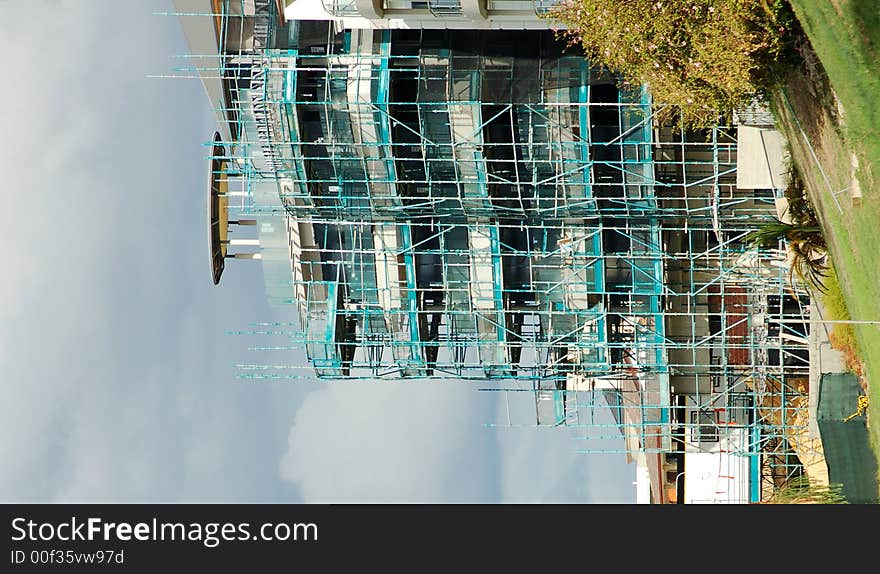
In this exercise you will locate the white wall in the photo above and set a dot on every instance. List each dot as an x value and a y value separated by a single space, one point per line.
718 476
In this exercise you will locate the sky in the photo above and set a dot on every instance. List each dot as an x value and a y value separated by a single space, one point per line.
116 363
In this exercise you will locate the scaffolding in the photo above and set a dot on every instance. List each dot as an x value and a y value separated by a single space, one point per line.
461 205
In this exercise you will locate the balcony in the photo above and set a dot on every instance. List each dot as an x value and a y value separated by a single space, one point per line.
445 8
340 8
543 6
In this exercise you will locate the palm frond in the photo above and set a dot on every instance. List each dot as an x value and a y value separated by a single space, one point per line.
807 245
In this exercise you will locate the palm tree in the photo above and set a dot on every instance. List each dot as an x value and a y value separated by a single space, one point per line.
807 245
769 234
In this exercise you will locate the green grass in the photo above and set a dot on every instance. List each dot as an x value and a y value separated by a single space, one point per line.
800 491
843 335
845 35
833 300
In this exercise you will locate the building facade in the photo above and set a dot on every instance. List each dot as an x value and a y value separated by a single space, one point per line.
475 202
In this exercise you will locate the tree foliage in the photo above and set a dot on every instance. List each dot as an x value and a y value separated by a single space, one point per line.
801 233
699 56
806 244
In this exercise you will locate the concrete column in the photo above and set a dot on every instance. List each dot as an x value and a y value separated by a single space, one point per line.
370 9
474 9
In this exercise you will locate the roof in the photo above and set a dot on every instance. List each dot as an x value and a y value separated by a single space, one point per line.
218 204
203 41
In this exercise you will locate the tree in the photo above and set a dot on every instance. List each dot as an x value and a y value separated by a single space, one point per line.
699 56
806 244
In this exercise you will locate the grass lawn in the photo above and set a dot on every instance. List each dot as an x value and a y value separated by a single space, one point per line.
843 134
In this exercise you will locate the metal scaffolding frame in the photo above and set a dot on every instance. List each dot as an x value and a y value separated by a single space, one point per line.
458 212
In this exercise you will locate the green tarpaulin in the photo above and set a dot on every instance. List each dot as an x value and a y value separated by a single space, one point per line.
848 453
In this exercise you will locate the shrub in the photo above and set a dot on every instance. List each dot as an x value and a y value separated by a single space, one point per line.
699 56
799 490
800 209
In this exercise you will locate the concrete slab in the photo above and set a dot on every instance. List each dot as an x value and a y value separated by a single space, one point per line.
761 159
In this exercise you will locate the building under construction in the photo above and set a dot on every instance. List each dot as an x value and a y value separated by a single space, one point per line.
478 202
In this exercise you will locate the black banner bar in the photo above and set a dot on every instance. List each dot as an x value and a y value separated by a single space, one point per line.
105 537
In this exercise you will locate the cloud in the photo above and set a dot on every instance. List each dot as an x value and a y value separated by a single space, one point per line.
427 442
544 465
393 442
43 325
117 379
